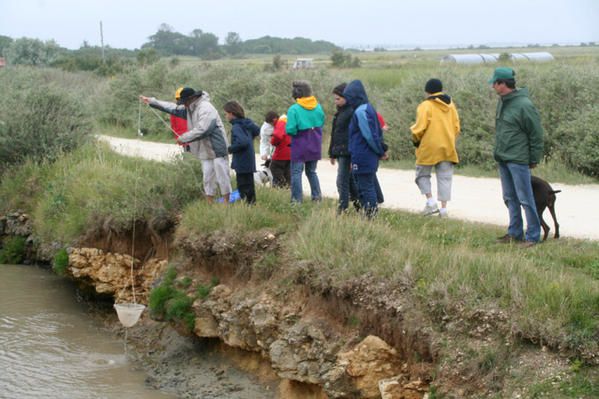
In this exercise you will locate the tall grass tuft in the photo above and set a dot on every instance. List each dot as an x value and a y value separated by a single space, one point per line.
95 185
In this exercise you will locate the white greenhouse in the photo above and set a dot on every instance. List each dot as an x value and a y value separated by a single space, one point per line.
493 58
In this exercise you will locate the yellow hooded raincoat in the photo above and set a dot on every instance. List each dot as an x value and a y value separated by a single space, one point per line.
436 128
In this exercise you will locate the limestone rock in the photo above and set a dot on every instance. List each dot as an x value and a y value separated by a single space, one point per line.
110 273
397 388
369 362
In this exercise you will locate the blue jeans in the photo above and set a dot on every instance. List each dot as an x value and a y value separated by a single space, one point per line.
517 192
367 191
346 185
296 180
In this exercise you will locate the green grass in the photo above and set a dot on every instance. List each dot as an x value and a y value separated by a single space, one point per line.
272 210
60 262
13 250
95 184
170 301
21 187
580 384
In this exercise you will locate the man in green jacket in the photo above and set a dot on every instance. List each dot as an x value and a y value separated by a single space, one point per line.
518 148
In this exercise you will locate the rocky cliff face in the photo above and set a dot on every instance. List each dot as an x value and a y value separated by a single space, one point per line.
112 274
301 343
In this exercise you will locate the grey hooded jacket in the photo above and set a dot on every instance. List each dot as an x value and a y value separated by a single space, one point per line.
206 135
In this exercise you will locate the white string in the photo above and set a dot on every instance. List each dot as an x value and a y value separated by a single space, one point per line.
135 208
163 121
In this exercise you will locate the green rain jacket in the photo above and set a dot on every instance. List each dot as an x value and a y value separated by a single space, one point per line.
518 131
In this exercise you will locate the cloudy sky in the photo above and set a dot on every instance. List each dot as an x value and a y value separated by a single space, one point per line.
435 23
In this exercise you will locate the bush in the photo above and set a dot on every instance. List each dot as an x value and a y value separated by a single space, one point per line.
60 262
39 122
577 141
32 52
13 250
339 59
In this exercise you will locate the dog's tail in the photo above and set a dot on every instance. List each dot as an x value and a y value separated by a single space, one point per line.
555 191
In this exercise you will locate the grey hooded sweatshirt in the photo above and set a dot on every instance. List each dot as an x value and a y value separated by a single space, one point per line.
206 135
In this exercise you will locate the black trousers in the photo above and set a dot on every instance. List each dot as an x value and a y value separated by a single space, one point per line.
245 185
281 173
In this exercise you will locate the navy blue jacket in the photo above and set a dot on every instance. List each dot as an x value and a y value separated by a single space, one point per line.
340 134
242 145
365 134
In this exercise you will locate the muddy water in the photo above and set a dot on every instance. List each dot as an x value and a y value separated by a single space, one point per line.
50 347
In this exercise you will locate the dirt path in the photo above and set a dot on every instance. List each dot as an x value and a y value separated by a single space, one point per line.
474 199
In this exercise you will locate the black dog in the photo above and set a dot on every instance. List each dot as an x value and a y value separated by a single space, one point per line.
545 198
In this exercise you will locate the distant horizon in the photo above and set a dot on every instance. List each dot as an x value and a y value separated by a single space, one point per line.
409 23
369 46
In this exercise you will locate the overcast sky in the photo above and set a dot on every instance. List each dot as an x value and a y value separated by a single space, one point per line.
437 23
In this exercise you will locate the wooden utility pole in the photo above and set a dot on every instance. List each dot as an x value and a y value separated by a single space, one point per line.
102 43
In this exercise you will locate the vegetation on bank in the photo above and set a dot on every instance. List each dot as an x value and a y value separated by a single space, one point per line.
94 186
39 118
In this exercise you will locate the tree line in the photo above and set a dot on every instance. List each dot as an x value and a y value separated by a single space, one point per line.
166 42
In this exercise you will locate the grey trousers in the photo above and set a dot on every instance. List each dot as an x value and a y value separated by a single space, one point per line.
444 172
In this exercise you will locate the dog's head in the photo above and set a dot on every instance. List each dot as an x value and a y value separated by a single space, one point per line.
263 177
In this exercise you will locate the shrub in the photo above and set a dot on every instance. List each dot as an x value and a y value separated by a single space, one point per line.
13 250
60 262
167 302
39 122
339 59
577 141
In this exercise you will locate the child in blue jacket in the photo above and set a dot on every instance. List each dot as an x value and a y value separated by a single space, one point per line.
242 147
365 145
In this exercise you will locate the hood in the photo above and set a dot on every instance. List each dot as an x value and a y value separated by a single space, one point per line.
355 94
441 100
247 124
308 103
204 97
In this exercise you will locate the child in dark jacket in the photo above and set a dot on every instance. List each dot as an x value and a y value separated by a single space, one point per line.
242 147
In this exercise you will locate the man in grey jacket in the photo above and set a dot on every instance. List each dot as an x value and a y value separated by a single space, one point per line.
206 137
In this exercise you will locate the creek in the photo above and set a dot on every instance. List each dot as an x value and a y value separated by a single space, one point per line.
52 346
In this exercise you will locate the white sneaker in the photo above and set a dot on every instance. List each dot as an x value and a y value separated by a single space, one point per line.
443 214
429 210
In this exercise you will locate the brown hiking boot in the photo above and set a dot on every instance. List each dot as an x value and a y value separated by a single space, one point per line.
507 239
